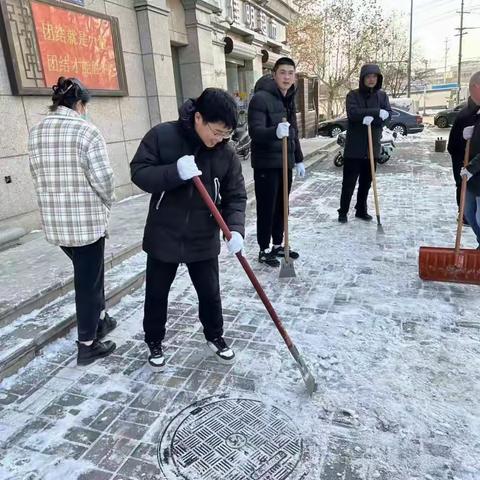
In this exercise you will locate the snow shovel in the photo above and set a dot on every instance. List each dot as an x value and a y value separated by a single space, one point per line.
308 378
287 270
452 264
374 180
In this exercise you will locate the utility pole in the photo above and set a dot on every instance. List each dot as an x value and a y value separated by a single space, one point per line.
446 60
409 72
459 74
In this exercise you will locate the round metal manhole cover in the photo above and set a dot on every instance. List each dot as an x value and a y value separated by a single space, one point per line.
231 439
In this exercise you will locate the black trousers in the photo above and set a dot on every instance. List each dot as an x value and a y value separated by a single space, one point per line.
159 279
269 197
88 277
353 169
456 167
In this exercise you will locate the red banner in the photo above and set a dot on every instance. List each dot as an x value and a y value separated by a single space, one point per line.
75 45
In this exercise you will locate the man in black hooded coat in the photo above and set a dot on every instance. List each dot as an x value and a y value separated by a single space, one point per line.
368 104
180 227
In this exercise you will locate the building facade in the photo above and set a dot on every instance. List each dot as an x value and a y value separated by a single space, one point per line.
171 51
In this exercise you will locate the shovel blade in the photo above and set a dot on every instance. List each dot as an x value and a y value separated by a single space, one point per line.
287 270
308 378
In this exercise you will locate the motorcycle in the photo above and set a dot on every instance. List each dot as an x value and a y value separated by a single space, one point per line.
240 139
387 143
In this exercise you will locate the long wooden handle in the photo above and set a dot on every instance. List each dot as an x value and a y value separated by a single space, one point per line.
246 266
286 248
372 167
463 192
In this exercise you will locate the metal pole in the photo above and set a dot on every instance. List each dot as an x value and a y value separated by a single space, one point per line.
409 74
459 76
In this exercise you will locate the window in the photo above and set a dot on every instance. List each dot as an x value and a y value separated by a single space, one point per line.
272 29
311 94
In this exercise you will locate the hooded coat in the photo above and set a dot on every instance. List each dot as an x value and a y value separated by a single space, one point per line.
266 110
180 227
361 103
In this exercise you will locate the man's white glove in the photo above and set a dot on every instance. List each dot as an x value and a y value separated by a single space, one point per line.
383 114
367 120
300 169
468 132
465 173
187 168
235 244
283 130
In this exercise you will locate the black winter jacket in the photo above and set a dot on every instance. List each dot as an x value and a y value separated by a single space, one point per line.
364 102
456 143
266 110
180 228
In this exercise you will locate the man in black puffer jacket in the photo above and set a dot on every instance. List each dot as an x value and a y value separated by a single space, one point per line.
273 101
180 227
456 143
368 104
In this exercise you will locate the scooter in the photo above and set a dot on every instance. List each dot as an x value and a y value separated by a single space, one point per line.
241 140
387 143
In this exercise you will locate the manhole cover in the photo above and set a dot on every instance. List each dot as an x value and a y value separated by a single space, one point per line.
230 439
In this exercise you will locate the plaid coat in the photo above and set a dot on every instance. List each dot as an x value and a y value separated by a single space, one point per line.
72 177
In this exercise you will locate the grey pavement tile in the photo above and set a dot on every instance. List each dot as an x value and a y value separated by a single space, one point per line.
110 452
140 470
81 435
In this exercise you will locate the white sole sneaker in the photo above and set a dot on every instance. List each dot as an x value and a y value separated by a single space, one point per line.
219 356
156 368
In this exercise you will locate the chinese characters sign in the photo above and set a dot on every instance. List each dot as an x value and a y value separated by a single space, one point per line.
63 41
75 45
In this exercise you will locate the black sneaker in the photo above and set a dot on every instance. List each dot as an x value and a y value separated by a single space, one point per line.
280 252
87 354
342 218
364 216
156 360
222 351
105 326
269 258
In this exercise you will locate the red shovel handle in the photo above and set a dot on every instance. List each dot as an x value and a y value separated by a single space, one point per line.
246 266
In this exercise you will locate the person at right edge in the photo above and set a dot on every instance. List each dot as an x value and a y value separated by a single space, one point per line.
273 101
456 143
367 105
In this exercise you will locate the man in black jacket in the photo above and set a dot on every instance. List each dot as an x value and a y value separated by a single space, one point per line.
366 105
273 101
456 143
472 171
180 228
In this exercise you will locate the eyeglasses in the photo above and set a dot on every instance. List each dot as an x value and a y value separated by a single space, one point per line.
222 135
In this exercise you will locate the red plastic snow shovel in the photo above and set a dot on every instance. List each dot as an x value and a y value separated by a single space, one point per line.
374 180
287 270
452 264
308 378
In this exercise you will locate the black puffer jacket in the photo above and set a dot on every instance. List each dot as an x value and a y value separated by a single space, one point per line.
180 228
456 143
364 102
266 110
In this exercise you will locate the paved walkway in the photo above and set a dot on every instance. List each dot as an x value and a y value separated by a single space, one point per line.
397 360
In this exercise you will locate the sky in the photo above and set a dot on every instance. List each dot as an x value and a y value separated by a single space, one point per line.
434 21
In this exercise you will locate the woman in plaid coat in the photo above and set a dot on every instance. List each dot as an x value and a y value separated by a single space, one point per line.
75 189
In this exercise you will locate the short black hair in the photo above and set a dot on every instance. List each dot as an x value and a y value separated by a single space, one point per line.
67 92
217 105
283 61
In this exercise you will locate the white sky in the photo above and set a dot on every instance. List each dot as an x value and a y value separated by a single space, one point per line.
436 20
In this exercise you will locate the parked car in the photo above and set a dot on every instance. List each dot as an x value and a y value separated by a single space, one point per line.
402 123
445 118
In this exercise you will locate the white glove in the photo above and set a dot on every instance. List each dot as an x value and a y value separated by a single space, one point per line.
367 120
383 114
235 244
465 173
468 132
283 130
187 168
300 169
